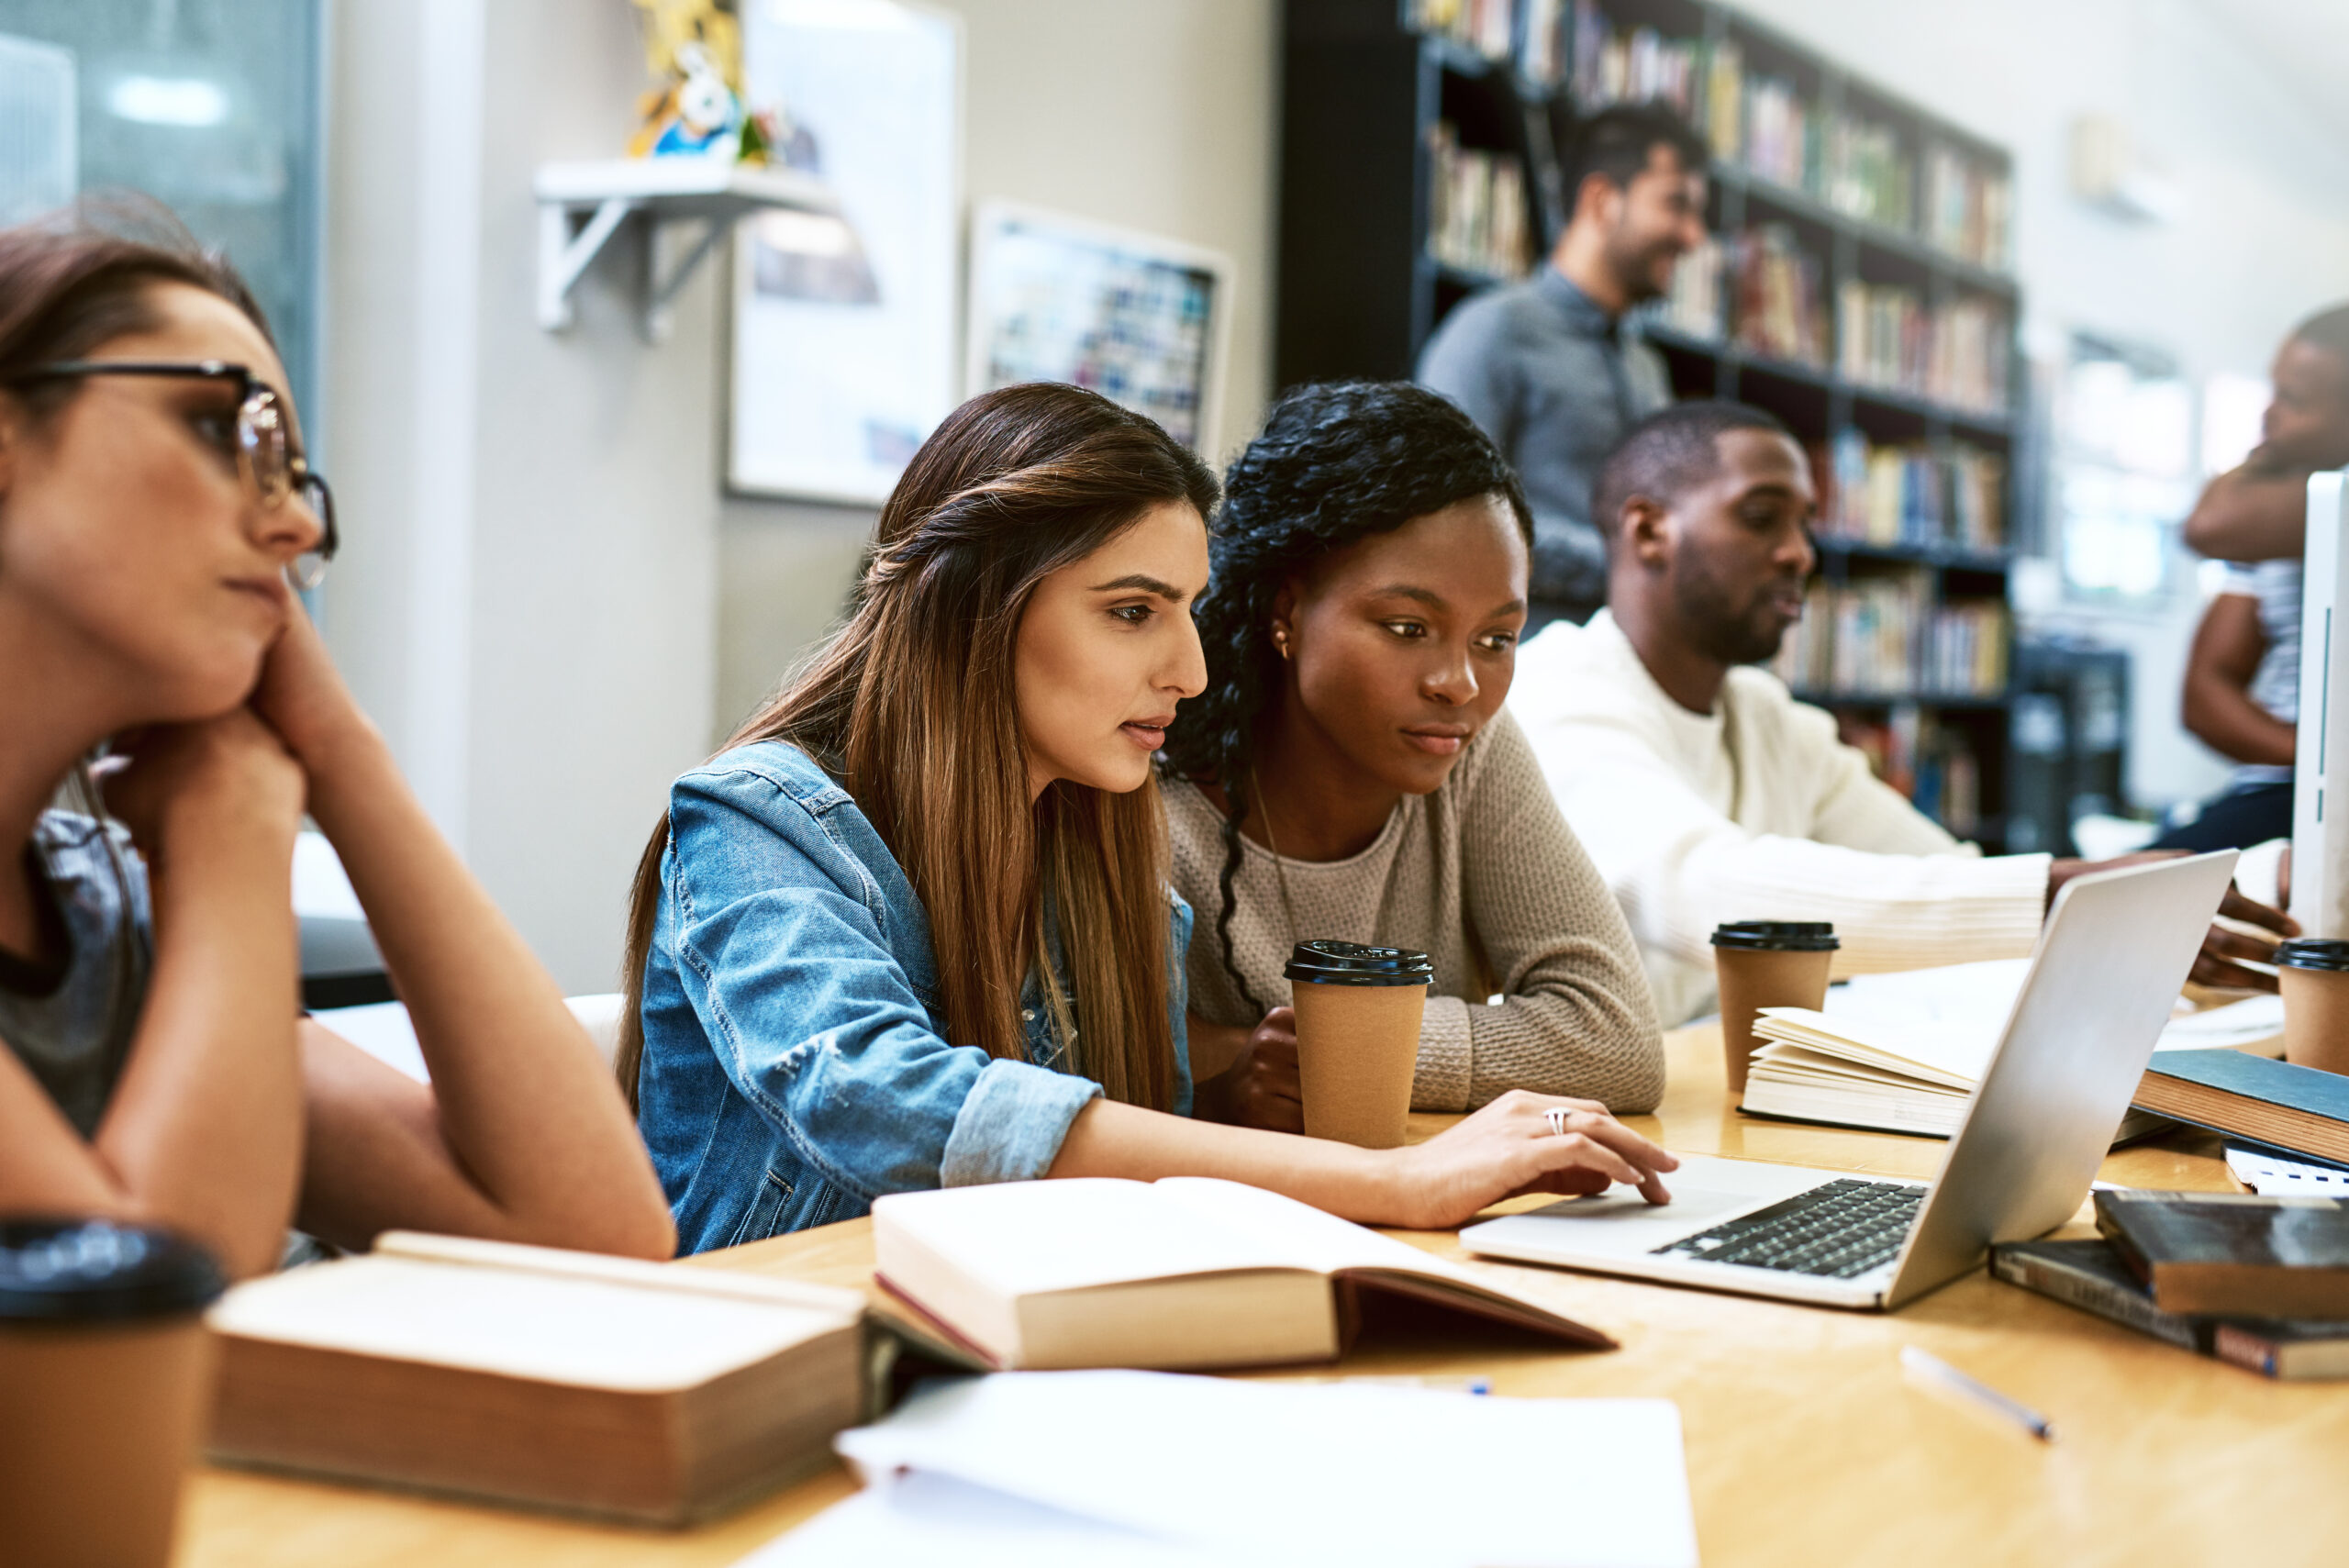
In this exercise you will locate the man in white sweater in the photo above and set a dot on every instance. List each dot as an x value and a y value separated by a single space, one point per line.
1702 789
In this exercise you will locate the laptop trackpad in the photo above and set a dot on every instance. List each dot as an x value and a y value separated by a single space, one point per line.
1705 1192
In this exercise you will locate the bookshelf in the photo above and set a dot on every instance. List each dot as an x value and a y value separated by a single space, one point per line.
1856 284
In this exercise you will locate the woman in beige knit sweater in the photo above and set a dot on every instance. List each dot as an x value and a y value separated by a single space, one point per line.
1348 771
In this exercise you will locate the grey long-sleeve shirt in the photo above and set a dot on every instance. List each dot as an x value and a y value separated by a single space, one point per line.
1555 381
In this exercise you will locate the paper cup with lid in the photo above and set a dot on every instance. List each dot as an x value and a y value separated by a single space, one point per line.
1358 1011
2313 974
1767 963
105 1382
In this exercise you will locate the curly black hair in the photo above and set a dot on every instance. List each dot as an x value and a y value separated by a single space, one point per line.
1335 462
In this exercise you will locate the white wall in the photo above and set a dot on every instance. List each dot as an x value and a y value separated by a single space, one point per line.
527 602
531 600
1155 115
2264 241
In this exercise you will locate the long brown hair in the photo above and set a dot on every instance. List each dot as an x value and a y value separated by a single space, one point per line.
913 705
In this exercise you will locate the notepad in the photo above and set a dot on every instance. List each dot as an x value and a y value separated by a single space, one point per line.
1188 1469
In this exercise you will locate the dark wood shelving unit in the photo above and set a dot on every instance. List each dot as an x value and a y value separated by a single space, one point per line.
1359 292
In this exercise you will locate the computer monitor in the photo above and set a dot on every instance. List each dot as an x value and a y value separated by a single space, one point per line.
2320 755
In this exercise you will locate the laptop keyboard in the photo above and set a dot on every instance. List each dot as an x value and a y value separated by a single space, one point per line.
1841 1231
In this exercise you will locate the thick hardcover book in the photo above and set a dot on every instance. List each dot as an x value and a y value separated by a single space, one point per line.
1182 1274
524 1374
2296 1110
2090 1274
2237 1254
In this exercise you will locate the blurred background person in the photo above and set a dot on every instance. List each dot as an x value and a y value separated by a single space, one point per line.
1546 367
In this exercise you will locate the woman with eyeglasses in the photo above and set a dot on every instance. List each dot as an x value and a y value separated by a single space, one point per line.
156 513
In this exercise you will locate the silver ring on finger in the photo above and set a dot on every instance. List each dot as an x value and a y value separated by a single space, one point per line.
1556 1116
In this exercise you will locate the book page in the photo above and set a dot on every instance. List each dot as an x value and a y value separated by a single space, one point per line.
1019 1239
584 1332
1950 1054
1307 1237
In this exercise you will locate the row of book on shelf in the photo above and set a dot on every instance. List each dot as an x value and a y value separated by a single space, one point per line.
1857 164
1910 493
1478 216
1763 291
1888 635
1935 765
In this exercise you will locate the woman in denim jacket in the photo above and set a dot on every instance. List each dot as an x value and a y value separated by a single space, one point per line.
912 927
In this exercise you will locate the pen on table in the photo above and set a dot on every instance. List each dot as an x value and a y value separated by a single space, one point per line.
1933 1370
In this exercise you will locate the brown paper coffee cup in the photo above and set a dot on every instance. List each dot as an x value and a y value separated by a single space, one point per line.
1765 963
1357 1048
1358 1011
2316 1002
106 1384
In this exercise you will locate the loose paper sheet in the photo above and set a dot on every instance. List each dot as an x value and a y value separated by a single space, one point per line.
1360 1475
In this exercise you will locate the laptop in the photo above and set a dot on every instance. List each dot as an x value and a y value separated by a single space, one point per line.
2110 962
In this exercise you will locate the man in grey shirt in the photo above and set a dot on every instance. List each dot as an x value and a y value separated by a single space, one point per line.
1546 367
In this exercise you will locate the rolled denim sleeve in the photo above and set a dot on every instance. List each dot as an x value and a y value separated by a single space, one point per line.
781 948
1011 1124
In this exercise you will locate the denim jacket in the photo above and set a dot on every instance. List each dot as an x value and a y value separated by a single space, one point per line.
794 1068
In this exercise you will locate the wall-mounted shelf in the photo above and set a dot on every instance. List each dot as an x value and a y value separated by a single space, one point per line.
583 205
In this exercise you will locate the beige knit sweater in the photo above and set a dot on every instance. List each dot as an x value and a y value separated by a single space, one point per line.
1482 875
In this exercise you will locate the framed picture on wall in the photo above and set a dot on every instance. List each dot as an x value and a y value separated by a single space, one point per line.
844 327
1145 321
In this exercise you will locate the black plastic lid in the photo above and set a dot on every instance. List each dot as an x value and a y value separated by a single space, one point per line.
1777 936
93 1271
1350 963
2312 952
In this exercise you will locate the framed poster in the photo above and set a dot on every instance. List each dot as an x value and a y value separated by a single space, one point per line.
1145 321
845 328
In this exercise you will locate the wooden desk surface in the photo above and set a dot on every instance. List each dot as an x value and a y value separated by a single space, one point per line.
1806 1445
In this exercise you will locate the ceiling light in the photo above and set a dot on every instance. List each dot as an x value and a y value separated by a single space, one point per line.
165 100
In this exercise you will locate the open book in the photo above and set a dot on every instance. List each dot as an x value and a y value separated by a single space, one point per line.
1904 1054
1188 1272
528 1375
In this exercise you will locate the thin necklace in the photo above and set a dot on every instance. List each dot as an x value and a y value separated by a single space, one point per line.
1280 865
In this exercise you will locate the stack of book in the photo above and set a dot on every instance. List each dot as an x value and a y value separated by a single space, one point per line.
1694 304
2261 1282
1779 309
1477 216
1964 652
1634 65
1882 337
1781 134
1864 170
1878 638
1955 354
1542 40
1933 764
1488 27
1968 207
1910 493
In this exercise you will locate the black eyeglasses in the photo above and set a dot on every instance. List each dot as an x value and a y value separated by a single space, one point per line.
265 454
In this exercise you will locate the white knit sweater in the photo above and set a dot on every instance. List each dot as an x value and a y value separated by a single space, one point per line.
1754 811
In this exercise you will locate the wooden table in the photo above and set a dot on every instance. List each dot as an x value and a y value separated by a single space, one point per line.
1806 1445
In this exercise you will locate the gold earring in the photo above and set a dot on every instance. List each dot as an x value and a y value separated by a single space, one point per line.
1280 641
